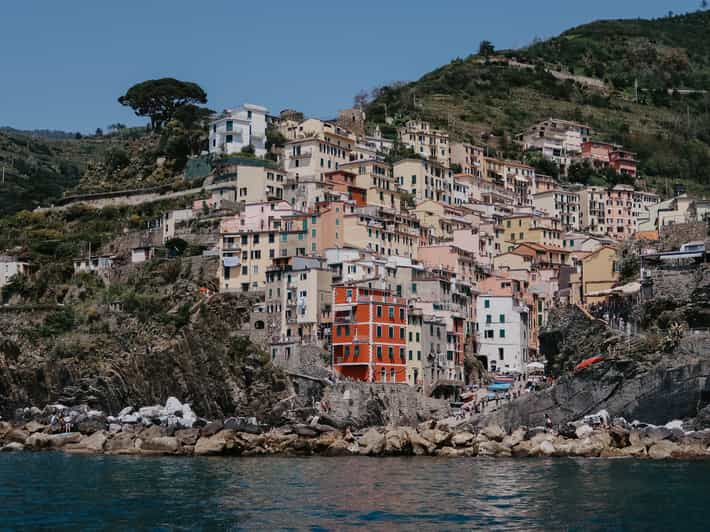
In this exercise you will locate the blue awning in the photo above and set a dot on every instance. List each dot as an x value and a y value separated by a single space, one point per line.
499 386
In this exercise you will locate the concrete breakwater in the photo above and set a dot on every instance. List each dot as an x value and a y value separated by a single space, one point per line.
143 432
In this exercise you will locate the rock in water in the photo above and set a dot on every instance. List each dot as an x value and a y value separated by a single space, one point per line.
12 446
161 444
95 443
372 442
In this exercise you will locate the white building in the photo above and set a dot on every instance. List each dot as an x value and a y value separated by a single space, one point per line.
11 266
558 140
235 129
502 332
562 205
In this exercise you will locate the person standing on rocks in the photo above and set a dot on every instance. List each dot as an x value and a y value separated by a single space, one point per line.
548 422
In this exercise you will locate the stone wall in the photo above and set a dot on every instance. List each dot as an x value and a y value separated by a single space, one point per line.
674 236
367 404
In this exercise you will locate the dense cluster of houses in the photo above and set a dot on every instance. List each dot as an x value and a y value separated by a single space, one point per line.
404 269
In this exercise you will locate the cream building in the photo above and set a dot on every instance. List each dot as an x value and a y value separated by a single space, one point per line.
425 180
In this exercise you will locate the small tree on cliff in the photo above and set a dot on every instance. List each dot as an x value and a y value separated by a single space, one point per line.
158 99
486 48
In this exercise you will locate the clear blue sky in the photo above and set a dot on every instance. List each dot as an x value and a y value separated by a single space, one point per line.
64 63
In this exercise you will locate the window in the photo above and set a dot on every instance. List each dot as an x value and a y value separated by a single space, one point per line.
383 375
417 335
410 337
414 288
272 237
347 350
229 139
390 353
347 330
488 333
379 331
489 318
401 354
356 351
390 332
401 333
486 303
501 333
390 313
230 125
419 355
338 331
379 353
379 311
501 318
500 353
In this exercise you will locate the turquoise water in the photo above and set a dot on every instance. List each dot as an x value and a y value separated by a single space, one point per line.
53 491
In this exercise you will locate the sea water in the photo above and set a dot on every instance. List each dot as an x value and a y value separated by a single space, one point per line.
55 491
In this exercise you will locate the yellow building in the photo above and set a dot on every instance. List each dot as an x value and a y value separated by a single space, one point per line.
376 177
527 228
596 272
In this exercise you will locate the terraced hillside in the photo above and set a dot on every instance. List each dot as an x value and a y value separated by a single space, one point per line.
640 83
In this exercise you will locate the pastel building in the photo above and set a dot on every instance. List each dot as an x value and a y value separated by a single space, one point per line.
234 129
502 332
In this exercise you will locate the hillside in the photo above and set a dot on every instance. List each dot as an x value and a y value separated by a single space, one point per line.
491 98
40 169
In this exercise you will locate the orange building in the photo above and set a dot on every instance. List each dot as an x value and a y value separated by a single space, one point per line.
369 334
342 181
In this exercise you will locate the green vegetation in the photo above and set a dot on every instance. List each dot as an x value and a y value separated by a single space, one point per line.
485 99
50 241
160 99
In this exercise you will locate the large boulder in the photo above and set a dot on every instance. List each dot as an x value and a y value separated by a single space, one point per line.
39 440
187 437
305 431
173 406
211 429
517 436
462 439
188 418
121 443
547 448
151 412
221 443
11 447
95 443
161 444
396 441
372 442
663 449
493 448
619 436
17 435
583 431
33 426
493 432
91 424
242 425
126 411
438 437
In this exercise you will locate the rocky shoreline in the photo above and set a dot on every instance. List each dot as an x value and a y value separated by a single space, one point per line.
175 430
